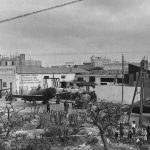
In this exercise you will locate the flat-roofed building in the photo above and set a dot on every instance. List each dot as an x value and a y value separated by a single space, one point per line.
30 77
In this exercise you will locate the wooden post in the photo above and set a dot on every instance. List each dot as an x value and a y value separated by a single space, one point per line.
142 92
141 103
122 79
136 86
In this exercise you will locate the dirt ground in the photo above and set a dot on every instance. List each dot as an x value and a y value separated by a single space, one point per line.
28 107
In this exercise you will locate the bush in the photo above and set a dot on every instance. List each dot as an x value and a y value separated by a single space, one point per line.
92 141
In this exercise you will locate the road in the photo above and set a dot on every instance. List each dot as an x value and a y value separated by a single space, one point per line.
30 107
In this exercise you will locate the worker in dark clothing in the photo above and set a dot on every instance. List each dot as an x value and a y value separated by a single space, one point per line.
93 96
58 100
38 88
121 131
66 107
130 134
148 132
48 107
0 94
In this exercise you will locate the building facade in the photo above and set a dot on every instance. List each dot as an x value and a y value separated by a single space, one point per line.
8 77
31 77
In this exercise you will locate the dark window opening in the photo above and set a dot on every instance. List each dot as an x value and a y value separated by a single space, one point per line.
92 79
63 84
46 77
4 84
6 63
119 80
107 79
63 77
103 83
13 63
71 84
80 79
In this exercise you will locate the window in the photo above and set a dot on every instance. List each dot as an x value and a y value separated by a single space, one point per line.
63 84
0 63
80 79
4 84
92 79
5 63
12 63
119 80
103 83
107 79
63 77
46 77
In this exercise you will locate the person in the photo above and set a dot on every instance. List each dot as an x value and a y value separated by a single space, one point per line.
66 107
121 131
130 132
38 88
148 132
58 100
145 135
116 134
93 96
133 125
110 131
6 97
0 94
48 107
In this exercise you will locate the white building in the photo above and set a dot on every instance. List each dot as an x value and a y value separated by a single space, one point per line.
101 79
8 77
8 67
29 77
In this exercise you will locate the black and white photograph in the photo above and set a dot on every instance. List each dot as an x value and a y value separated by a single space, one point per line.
74 75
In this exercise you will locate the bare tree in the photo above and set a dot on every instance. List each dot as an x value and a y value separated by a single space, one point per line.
8 117
103 115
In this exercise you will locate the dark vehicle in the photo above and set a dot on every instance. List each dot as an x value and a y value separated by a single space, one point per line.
81 102
39 95
146 107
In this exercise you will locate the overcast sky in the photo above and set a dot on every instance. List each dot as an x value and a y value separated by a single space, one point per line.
107 28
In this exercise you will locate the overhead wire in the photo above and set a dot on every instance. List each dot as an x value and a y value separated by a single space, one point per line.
39 11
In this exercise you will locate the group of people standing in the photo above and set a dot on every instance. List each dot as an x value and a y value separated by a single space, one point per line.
131 133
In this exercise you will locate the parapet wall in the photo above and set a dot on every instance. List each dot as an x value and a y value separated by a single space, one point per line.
114 93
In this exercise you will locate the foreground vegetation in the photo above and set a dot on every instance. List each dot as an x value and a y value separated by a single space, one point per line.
80 129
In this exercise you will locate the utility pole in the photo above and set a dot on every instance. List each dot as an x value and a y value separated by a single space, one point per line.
136 86
141 78
53 80
142 90
122 79
20 59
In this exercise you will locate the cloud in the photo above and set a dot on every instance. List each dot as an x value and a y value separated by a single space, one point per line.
85 28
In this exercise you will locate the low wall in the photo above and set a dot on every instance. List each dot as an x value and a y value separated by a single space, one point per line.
114 93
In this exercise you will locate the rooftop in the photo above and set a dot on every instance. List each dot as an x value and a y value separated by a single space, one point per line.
42 70
138 65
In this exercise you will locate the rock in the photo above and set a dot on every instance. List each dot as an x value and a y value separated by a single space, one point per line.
82 132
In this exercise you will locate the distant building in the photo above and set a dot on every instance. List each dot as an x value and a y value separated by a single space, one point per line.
31 77
134 70
9 67
99 61
18 60
8 77
69 64
101 79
